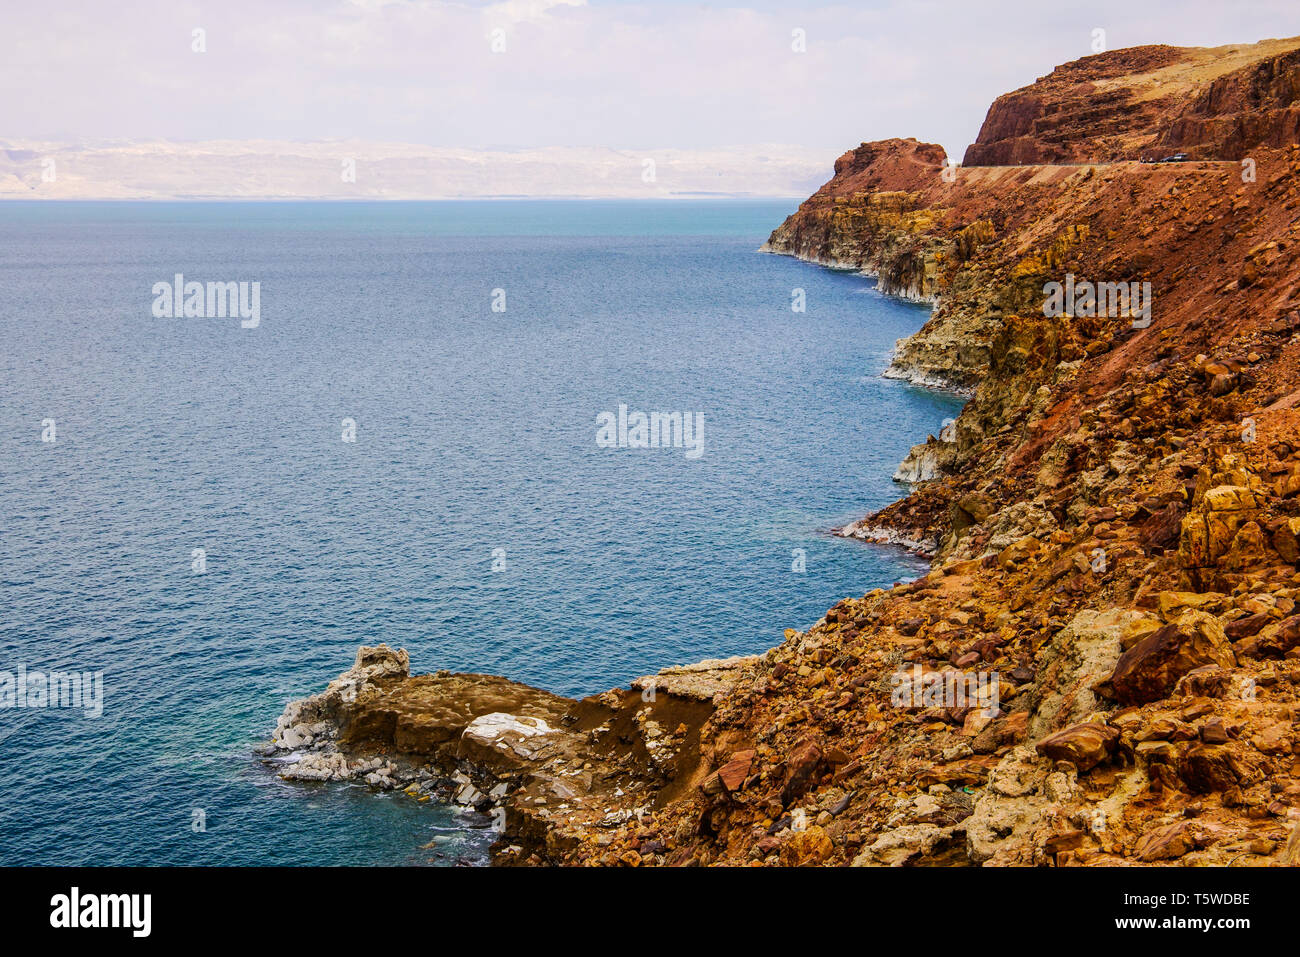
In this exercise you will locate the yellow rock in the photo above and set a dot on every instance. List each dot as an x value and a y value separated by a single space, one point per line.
807 847
1171 603
1229 498
1137 629
1018 552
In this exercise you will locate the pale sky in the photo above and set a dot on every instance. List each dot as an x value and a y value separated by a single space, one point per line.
626 75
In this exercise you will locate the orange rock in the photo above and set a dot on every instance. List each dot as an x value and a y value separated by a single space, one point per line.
1083 745
1149 670
1166 843
733 774
811 846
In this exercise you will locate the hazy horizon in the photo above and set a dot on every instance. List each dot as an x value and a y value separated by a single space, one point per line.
434 99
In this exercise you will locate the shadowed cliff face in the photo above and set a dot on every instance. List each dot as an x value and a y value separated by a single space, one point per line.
1148 102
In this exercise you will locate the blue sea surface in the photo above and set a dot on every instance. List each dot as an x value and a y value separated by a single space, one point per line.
475 433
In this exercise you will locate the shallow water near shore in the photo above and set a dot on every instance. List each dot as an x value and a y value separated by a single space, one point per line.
475 450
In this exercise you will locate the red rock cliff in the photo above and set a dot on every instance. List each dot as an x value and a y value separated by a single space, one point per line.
1213 103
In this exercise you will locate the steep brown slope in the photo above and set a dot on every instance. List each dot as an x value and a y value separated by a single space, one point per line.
1116 544
1117 557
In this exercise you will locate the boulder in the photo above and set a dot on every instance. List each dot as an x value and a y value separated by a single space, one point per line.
901 846
807 847
1085 651
1208 767
1229 498
1149 670
800 768
971 509
733 774
1083 745
1162 529
1286 540
1171 841
1273 640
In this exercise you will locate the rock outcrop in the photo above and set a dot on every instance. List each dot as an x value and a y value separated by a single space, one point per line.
869 218
1148 102
540 767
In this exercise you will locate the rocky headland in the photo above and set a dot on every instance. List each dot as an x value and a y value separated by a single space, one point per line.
1114 523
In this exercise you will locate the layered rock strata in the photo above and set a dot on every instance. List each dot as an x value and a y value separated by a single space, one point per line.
1148 102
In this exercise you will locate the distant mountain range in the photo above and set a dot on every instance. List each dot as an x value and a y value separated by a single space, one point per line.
268 169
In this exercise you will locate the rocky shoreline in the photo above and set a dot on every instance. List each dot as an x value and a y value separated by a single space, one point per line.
541 768
1103 664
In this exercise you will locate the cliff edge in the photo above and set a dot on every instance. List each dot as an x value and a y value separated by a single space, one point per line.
1103 666
1148 102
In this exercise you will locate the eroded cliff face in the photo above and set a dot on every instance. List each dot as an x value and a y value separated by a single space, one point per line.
1103 665
1212 103
871 217
1218 254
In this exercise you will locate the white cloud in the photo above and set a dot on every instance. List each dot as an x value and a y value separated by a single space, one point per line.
520 11
623 75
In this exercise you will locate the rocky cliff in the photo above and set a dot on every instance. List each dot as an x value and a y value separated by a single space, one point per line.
1211 103
1103 665
543 771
